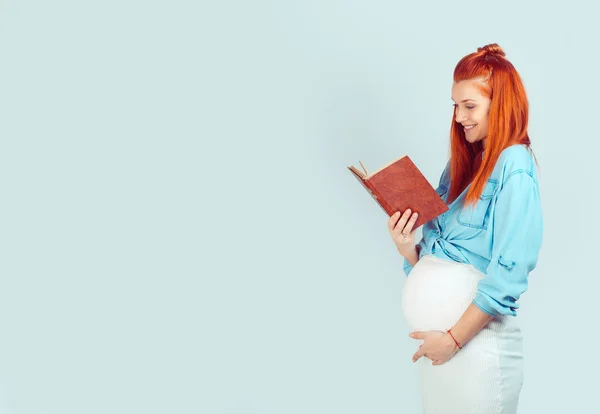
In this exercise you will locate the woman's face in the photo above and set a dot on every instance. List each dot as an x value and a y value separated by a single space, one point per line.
472 110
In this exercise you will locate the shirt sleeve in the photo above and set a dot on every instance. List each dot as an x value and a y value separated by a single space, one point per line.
516 242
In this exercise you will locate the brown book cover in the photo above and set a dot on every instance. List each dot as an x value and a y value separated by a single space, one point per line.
400 185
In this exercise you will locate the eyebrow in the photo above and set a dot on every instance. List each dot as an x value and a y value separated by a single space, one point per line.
464 100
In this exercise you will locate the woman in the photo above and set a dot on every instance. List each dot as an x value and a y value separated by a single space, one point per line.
468 271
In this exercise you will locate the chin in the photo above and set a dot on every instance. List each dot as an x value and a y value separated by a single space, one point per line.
473 140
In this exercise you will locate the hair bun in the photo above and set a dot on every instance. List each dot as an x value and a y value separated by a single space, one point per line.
492 49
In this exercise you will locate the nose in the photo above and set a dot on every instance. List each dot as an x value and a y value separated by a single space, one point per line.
460 116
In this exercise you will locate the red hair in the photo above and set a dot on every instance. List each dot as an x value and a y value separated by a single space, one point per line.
496 78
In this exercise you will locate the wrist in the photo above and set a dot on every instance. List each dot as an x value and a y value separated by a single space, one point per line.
451 339
408 250
449 343
405 250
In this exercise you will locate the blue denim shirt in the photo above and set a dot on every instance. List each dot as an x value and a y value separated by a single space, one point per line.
500 236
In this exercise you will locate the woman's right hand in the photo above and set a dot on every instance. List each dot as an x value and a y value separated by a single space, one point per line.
400 228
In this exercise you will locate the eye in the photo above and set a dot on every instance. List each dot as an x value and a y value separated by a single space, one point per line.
470 107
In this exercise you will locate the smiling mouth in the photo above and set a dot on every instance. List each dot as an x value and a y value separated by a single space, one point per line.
469 127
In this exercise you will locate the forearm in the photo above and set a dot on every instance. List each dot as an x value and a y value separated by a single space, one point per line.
410 254
470 323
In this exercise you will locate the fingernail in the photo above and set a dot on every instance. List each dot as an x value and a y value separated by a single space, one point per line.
411 335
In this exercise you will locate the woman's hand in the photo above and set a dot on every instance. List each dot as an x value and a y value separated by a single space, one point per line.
437 346
400 228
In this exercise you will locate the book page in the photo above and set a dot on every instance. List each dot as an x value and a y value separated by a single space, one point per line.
384 167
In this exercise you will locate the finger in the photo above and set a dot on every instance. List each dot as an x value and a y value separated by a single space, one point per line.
417 335
418 355
409 226
393 220
402 221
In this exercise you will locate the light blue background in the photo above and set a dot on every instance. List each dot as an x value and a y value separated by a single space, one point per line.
179 232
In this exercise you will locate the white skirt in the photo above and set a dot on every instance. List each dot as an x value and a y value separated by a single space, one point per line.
486 375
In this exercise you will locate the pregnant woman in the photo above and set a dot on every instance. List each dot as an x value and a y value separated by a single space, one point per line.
466 274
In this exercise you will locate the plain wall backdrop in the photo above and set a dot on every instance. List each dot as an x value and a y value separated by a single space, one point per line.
179 232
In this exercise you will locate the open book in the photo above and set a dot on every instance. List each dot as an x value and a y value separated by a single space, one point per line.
400 185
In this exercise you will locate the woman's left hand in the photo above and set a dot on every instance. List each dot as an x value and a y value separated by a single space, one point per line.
437 346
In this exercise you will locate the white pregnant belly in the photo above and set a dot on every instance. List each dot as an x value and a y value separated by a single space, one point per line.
437 292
